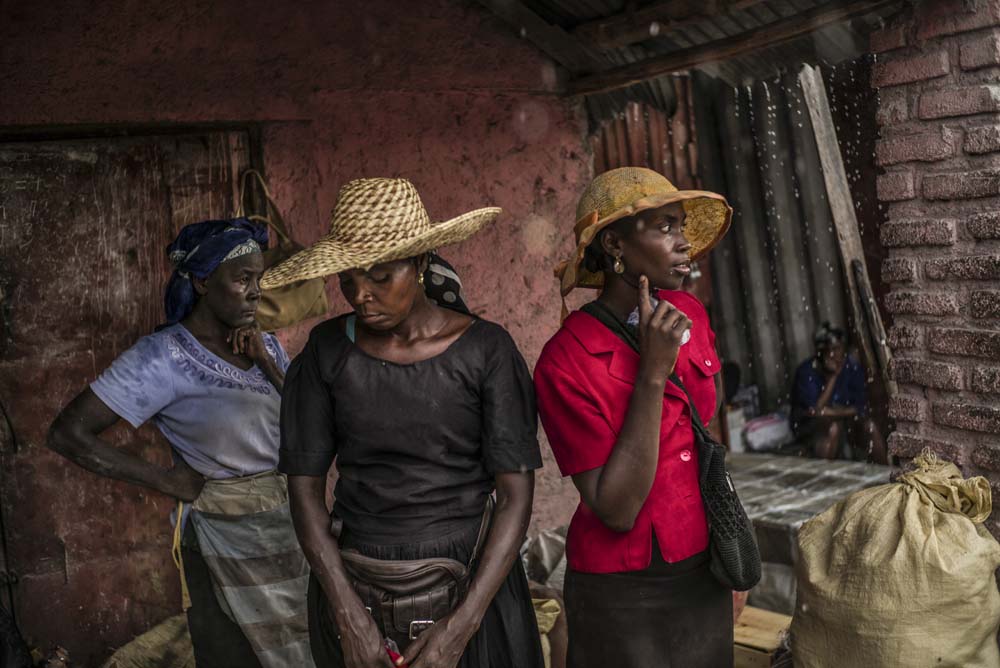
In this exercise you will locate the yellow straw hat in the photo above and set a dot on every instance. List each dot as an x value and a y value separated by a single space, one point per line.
375 221
626 191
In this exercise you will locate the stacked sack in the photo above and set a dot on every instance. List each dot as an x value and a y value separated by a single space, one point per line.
901 575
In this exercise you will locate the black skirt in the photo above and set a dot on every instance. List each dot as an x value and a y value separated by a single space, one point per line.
666 616
507 637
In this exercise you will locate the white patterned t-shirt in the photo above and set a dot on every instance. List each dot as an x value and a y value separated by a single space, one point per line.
223 420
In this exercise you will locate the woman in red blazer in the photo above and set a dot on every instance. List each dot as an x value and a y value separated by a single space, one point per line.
638 592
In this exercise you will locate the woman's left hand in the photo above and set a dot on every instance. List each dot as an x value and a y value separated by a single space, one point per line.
443 644
249 341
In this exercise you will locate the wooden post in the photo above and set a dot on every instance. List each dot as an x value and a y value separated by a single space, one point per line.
849 238
639 24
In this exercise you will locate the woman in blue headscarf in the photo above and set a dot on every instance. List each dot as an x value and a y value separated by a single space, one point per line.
211 381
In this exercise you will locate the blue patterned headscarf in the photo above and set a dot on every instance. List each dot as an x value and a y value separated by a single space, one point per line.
199 249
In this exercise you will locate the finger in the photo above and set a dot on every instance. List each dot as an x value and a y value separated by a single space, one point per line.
412 655
683 321
671 321
663 309
645 309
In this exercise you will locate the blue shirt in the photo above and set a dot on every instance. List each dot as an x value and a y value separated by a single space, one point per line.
849 389
224 421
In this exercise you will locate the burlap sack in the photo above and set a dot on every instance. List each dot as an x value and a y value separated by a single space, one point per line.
289 304
900 575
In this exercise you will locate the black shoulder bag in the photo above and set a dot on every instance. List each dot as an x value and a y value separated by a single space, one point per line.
735 559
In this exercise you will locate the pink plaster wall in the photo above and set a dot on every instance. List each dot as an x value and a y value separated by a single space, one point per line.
439 91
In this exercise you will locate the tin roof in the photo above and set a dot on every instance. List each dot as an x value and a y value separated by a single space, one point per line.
626 32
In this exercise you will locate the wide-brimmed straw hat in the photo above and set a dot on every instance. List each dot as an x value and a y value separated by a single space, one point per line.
374 221
626 191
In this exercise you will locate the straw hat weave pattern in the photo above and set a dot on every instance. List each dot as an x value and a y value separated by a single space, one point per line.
375 220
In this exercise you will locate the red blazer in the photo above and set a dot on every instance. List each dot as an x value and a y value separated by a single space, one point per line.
584 381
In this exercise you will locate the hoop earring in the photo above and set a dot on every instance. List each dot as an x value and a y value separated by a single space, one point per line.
619 266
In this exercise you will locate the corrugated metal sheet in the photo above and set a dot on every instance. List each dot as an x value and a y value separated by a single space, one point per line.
829 45
645 136
777 275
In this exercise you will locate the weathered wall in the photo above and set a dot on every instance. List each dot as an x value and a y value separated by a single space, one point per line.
939 111
448 97
91 555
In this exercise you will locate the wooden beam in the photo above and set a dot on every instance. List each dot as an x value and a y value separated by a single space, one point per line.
871 331
659 18
553 40
771 34
638 25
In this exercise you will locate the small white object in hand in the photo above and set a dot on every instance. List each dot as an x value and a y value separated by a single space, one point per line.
633 319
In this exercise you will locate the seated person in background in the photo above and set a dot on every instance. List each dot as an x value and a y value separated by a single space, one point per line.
829 406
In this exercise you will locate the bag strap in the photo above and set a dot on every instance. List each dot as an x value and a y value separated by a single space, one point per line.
607 318
696 418
337 527
484 529
274 219
619 329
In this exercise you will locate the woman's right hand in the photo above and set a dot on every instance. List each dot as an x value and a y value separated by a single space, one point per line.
660 333
361 641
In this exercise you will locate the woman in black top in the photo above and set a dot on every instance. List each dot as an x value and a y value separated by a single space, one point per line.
426 411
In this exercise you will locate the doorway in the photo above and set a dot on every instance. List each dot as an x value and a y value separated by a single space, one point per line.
84 224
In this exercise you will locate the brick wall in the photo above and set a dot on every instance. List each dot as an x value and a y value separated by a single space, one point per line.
938 77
